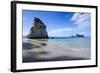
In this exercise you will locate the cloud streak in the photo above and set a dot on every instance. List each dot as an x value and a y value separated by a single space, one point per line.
81 19
60 30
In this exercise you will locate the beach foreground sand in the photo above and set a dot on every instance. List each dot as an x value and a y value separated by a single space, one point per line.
39 50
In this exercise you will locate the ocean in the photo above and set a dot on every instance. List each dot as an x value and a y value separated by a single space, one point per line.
78 42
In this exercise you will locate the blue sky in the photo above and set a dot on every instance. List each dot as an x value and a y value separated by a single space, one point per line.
59 24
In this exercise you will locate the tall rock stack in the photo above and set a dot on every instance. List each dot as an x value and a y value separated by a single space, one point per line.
38 30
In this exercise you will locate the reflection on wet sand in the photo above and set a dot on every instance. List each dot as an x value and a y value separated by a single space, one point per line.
40 50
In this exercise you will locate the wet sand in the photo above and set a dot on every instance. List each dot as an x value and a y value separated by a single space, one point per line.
42 50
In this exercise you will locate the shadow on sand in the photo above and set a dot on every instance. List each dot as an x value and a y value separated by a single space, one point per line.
29 55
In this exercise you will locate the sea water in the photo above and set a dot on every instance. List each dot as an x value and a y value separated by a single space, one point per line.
78 42
73 42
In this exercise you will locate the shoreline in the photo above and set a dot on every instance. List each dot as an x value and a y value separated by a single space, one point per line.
42 50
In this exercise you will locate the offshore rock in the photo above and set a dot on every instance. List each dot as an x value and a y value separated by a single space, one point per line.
38 30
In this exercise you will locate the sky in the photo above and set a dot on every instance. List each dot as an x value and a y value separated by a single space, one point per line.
58 24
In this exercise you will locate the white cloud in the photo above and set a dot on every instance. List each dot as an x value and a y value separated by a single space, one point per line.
75 16
81 19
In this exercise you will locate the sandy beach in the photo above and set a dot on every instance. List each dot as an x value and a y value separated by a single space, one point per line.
38 50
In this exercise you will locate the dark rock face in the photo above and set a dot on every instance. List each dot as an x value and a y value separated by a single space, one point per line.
79 35
38 30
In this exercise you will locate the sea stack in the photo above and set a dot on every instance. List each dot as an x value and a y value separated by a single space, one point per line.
38 29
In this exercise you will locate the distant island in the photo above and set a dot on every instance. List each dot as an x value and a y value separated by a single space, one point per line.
78 35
